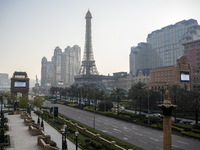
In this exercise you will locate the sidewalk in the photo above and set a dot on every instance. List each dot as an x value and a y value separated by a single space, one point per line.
21 139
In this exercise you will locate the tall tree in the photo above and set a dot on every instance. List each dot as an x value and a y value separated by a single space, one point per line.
37 102
118 93
138 92
195 95
52 91
23 102
174 92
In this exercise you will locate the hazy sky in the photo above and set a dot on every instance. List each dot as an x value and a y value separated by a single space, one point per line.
31 29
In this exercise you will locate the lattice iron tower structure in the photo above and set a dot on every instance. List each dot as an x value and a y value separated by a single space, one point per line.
88 66
88 74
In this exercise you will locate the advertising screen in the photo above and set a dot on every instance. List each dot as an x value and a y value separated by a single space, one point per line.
184 76
19 84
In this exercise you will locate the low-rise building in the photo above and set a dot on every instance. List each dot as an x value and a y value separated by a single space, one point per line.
192 52
182 73
125 81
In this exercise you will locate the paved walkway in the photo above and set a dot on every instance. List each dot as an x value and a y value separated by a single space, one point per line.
21 139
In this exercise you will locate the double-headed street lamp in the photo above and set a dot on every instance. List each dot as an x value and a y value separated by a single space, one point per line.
64 141
76 134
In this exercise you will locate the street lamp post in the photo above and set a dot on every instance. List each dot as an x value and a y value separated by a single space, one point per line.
38 121
148 107
76 134
2 120
64 141
42 123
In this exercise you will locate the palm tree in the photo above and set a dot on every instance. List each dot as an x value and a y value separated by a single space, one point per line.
118 93
61 91
175 94
138 92
52 91
195 95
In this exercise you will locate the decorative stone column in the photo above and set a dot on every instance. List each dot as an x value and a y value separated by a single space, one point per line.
167 108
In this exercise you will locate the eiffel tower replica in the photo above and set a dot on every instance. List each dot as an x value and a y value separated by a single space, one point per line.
88 74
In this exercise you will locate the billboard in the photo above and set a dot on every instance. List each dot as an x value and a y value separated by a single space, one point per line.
184 76
20 84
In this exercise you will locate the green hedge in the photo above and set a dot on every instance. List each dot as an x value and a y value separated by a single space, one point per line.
6 142
194 135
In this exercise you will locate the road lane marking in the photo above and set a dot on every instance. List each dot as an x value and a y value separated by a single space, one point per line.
143 141
154 139
106 123
125 128
117 130
114 126
182 142
147 132
139 134
106 131
135 129
115 122
158 147
128 136
125 138
175 146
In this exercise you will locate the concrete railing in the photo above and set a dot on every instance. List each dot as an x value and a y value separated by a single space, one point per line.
111 143
44 142
35 129
25 115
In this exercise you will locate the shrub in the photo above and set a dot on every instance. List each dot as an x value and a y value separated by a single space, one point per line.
196 131
196 126
177 129
87 140
98 146
191 134
53 144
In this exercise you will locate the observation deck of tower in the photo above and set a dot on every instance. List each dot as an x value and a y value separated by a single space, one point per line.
88 66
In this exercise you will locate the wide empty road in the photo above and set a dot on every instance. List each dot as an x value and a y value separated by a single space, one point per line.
147 138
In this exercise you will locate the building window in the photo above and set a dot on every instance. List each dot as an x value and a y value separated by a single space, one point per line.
192 46
187 47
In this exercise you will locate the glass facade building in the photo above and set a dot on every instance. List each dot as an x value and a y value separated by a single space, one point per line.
165 45
62 68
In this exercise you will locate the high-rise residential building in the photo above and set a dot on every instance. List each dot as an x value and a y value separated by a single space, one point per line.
167 41
62 68
139 56
46 72
192 52
43 71
56 60
70 64
165 45
4 82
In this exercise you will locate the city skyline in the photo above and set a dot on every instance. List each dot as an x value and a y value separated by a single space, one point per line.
31 30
